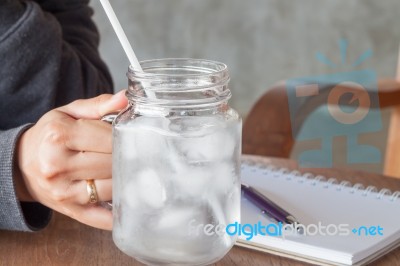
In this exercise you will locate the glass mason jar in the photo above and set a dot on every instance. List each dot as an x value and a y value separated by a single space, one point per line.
176 164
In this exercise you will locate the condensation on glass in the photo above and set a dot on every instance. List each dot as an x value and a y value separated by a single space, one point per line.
176 164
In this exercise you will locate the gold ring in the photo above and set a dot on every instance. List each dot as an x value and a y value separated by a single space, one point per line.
91 189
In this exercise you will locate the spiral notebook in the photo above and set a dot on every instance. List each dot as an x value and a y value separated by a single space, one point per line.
371 217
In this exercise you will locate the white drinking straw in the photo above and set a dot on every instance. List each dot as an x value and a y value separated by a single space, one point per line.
121 35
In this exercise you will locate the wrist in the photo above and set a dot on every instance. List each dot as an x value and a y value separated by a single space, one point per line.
21 190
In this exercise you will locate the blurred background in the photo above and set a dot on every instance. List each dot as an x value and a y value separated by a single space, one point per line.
261 41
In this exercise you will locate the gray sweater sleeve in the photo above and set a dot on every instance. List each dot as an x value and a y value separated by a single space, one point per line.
49 57
13 214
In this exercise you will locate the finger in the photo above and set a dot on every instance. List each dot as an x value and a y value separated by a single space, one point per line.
97 107
89 165
90 135
95 216
103 189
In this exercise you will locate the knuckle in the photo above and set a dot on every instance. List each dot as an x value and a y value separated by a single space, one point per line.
59 194
49 169
102 98
54 132
52 166
99 101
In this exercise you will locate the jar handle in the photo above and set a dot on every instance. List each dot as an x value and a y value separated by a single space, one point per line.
108 119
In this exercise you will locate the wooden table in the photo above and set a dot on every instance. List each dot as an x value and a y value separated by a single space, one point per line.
67 242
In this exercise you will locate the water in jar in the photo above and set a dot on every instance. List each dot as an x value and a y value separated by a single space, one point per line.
174 181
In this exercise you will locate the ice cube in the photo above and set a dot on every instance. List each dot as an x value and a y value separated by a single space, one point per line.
150 189
232 205
130 195
191 181
175 218
224 177
215 146
125 142
155 124
144 137
195 125
180 219
203 139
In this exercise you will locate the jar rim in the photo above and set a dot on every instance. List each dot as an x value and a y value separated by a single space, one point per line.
179 82
213 67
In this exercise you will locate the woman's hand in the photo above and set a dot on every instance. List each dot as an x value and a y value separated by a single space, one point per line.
66 147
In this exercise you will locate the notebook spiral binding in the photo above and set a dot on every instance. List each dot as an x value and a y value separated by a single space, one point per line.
319 179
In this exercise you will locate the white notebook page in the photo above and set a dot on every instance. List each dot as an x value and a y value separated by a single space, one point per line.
312 201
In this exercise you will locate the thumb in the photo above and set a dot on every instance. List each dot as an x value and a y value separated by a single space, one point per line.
96 107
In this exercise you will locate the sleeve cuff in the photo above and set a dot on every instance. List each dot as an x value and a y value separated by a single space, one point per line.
15 215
